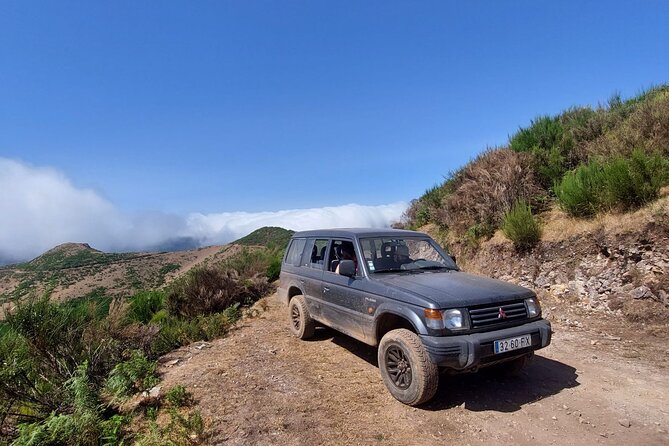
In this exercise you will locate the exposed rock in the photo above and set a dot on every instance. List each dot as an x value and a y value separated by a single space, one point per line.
603 272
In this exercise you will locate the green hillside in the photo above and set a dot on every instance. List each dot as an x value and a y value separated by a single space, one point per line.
267 236
586 160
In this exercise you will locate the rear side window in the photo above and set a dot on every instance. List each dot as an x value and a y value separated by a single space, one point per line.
317 249
294 255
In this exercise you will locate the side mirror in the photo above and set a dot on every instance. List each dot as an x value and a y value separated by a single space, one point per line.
347 268
454 261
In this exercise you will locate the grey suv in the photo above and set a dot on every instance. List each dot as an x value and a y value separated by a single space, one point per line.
400 291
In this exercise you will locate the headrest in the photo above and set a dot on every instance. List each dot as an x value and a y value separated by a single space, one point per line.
402 250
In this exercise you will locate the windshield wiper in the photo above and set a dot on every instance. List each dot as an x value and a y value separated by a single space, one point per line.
434 267
391 270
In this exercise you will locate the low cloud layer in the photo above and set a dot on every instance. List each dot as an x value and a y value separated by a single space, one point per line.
41 208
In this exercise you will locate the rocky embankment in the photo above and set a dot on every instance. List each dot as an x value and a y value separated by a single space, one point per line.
618 265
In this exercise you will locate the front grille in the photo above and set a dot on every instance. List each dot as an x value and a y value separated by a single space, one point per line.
491 315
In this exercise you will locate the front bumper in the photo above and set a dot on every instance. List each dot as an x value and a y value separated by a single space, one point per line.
470 351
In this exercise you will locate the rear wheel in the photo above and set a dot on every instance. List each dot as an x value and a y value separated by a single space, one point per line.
406 369
301 324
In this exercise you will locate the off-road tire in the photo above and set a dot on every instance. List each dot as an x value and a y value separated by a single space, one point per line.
415 378
299 320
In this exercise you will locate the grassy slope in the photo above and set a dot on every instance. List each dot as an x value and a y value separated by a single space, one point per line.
74 270
472 202
267 236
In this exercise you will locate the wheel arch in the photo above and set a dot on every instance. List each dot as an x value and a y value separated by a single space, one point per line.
293 290
390 320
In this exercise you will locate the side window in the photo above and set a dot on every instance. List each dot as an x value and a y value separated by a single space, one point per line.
341 250
294 254
317 259
369 252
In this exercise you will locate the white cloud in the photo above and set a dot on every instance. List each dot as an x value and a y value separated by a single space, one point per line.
219 228
41 208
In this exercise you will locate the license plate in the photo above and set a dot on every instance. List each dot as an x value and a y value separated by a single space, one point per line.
506 345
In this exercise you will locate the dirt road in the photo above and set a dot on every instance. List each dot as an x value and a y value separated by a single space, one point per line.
262 386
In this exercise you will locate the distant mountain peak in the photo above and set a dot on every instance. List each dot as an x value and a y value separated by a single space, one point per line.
69 249
266 236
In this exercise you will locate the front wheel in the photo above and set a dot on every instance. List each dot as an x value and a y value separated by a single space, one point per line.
301 323
406 369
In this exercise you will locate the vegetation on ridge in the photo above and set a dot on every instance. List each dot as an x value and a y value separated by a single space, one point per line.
71 371
612 158
269 236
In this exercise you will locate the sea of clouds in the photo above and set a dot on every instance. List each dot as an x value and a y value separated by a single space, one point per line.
41 208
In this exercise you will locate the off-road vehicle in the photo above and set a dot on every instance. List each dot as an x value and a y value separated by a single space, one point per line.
400 291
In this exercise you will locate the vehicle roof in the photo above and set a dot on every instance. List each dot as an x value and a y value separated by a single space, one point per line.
359 232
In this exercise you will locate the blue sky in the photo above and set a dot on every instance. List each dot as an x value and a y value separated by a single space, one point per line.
188 108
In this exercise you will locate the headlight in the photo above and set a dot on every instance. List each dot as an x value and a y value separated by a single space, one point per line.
533 307
454 319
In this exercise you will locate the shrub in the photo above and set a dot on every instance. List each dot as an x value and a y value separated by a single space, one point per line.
617 184
178 396
632 182
81 426
426 209
256 262
521 227
186 429
134 375
60 337
642 121
144 305
177 331
209 290
579 191
544 133
487 188
475 233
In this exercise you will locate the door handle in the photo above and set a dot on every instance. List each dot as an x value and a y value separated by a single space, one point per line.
326 289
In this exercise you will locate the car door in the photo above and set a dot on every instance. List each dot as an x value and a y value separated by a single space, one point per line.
311 274
344 304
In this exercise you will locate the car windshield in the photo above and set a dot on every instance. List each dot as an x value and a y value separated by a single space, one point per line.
385 254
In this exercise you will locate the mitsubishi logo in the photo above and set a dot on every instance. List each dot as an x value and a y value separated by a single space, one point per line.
502 314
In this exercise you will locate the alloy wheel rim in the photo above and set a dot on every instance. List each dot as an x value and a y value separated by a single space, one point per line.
295 317
398 367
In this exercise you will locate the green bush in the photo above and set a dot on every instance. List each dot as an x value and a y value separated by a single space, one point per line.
132 376
256 262
579 191
544 133
144 305
81 426
617 184
632 182
210 290
475 233
57 338
426 209
521 227
186 430
176 331
178 396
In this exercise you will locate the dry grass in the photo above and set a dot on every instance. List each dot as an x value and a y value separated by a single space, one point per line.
647 127
113 277
557 225
488 187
